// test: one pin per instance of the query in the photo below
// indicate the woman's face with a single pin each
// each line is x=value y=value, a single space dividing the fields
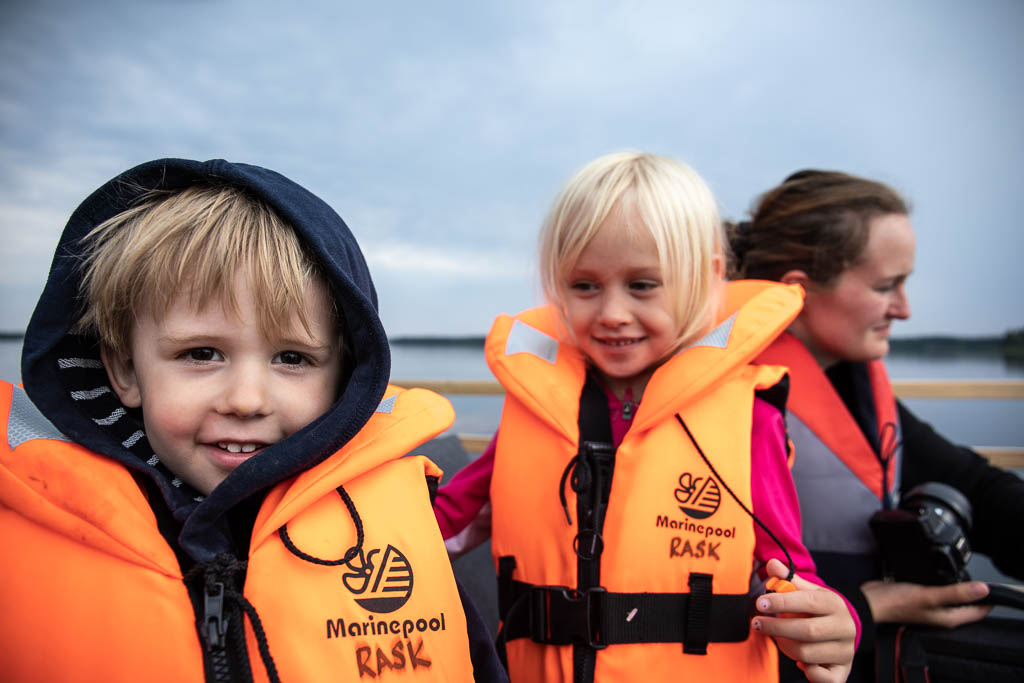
x=850 y=319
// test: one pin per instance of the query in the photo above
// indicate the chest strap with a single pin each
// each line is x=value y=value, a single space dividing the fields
x=558 y=615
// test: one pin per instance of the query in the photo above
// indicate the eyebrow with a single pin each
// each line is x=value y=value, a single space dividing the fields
x=208 y=340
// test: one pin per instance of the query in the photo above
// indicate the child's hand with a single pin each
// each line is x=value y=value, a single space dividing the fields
x=821 y=634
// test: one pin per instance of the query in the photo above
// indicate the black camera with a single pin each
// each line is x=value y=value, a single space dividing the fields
x=924 y=540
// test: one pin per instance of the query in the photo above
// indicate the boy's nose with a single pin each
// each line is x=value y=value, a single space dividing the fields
x=246 y=394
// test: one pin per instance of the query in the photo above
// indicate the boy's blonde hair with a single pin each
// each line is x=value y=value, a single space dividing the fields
x=193 y=242
x=653 y=193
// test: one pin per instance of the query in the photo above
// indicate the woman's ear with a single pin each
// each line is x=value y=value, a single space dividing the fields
x=121 y=373
x=795 y=277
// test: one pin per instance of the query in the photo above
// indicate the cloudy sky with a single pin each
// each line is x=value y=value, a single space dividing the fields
x=441 y=131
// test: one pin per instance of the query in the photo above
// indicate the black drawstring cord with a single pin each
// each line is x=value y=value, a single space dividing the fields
x=889 y=443
x=580 y=481
x=789 y=559
x=218 y=584
x=350 y=554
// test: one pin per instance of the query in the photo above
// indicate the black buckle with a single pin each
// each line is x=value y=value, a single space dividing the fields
x=564 y=616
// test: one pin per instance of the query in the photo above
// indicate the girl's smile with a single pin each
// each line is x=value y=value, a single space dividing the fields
x=617 y=305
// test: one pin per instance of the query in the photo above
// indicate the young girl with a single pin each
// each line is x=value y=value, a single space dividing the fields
x=637 y=446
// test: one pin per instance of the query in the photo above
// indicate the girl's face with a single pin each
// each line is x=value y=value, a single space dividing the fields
x=850 y=320
x=618 y=308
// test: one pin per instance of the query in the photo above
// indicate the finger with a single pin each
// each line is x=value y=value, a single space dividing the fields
x=827 y=628
x=952 y=617
x=777 y=568
x=958 y=593
x=805 y=602
x=816 y=673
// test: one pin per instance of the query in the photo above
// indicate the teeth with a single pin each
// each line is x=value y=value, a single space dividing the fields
x=238 y=447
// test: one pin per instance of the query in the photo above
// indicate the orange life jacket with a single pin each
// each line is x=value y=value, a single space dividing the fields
x=838 y=475
x=673 y=545
x=93 y=592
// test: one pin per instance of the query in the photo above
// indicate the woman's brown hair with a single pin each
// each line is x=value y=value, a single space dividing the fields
x=815 y=221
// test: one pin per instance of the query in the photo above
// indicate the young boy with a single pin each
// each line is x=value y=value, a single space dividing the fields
x=202 y=476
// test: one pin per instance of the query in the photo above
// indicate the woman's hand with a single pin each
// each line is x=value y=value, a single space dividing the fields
x=912 y=603
x=819 y=635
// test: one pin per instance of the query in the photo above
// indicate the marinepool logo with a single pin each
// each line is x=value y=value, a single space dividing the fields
x=698 y=497
x=381 y=578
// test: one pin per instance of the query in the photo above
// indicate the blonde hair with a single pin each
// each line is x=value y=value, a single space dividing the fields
x=195 y=241
x=671 y=202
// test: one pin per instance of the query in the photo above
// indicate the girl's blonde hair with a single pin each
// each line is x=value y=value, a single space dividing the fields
x=668 y=200
x=193 y=242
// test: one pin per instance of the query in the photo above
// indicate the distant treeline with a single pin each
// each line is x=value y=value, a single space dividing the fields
x=1010 y=345
x=438 y=341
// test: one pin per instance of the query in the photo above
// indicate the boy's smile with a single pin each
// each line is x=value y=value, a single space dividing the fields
x=215 y=391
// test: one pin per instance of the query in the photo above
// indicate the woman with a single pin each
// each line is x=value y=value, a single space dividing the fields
x=849 y=242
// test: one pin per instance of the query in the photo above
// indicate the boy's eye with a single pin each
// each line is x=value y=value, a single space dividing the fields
x=290 y=358
x=202 y=353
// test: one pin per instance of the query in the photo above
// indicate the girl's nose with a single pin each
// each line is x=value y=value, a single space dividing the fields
x=614 y=310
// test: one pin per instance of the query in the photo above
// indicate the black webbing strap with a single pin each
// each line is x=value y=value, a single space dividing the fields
x=595 y=464
x=594 y=421
x=557 y=615
x=695 y=639
x=506 y=584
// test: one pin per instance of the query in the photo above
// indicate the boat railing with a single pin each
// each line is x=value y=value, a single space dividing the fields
x=1010 y=456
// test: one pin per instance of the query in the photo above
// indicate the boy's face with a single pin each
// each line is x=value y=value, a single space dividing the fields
x=214 y=391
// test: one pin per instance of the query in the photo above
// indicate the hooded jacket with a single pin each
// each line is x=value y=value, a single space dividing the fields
x=112 y=543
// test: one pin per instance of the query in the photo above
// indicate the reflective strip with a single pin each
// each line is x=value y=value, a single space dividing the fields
x=525 y=339
x=153 y=461
x=133 y=439
x=89 y=394
x=25 y=422
x=718 y=337
x=66 y=363
x=110 y=419
x=387 y=405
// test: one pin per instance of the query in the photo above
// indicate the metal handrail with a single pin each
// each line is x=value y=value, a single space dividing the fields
x=1000 y=389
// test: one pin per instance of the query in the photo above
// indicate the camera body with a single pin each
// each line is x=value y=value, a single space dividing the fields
x=924 y=540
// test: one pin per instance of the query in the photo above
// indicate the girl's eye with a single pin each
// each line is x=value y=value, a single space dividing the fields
x=583 y=286
x=290 y=358
x=202 y=354
x=643 y=285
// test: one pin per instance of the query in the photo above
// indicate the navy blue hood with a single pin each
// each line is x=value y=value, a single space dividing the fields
x=63 y=378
